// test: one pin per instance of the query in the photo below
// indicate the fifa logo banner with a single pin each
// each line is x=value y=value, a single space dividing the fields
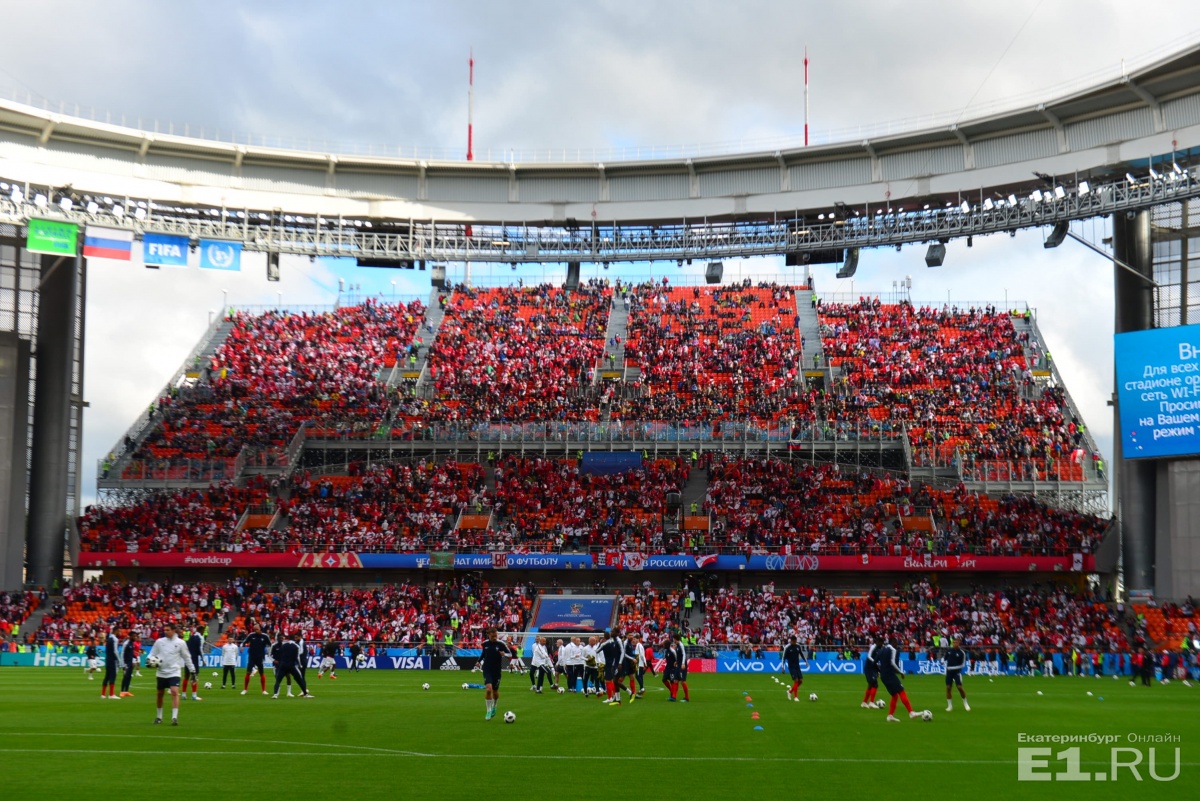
x=162 y=250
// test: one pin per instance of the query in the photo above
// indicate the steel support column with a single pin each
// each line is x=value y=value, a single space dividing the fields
x=1133 y=311
x=55 y=351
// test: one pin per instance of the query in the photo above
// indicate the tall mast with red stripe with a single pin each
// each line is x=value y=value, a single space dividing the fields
x=471 y=105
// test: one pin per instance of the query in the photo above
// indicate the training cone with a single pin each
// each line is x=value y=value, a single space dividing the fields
x=754 y=716
x=751 y=706
x=758 y=728
x=748 y=698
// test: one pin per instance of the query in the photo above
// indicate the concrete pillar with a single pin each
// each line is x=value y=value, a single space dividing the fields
x=46 y=539
x=1136 y=480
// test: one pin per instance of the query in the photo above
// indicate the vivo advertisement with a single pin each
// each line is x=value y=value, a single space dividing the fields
x=1158 y=389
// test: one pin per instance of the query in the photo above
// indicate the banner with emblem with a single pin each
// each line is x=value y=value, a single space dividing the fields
x=220 y=254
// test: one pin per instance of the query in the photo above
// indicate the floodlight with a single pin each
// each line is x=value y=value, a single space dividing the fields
x=118 y=211
x=1175 y=168
x=1012 y=200
x=988 y=205
x=935 y=255
x=1084 y=188
x=965 y=208
x=1036 y=197
x=39 y=200
x=1057 y=234
x=1130 y=178
x=93 y=207
x=1059 y=192
x=1154 y=174
x=140 y=213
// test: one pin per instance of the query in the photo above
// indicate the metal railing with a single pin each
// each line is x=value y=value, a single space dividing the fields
x=179 y=471
x=658 y=431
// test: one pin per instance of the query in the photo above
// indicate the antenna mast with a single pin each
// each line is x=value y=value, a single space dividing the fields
x=470 y=105
x=805 y=96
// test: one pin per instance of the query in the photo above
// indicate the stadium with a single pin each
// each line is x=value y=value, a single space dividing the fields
x=616 y=430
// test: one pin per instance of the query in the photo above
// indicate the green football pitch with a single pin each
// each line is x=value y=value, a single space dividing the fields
x=379 y=735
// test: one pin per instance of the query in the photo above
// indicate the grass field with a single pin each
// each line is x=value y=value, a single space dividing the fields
x=379 y=735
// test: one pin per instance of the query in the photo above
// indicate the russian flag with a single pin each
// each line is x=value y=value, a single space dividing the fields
x=107 y=243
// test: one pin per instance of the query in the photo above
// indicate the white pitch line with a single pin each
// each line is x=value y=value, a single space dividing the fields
x=385 y=751
x=571 y=757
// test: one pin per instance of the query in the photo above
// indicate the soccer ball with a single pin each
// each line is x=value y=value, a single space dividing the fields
x=926 y=716
x=881 y=704
x=812 y=696
x=215 y=674
x=208 y=685
x=562 y=690
x=425 y=686
x=155 y=661
x=510 y=717
x=465 y=686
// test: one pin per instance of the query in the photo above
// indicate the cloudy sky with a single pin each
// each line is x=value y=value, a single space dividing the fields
x=575 y=76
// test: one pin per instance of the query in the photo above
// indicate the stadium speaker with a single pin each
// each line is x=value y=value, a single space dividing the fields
x=437 y=276
x=393 y=264
x=674 y=502
x=572 y=275
x=850 y=266
x=935 y=255
x=799 y=258
x=272 y=266
x=713 y=272
x=1057 y=234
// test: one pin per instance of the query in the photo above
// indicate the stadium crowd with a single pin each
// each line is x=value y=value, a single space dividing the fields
x=401 y=614
x=922 y=615
x=960 y=379
x=714 y=354
x=751 y=506
x=276 y=371
x=87 y=612
x=516 y=355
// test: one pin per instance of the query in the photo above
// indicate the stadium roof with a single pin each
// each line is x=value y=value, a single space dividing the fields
x=1151 y=113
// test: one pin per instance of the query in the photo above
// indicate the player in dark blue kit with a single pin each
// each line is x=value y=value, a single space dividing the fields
x=888 y=658
x=613 y=650
x=287 y=665
x=195 y=645
x=129 y=660
x=871 y=673
x=791 y=660
x=112 y=649
x=671 y=671
x=956 y=664
x=256 y=644
x=490 y=661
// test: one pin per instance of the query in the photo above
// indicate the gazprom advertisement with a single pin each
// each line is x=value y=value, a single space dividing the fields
x=1158 y=388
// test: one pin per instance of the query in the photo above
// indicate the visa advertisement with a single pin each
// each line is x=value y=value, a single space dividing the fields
x=1158 y=389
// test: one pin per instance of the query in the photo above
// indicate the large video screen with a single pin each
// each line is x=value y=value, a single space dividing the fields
x=1158 y=389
